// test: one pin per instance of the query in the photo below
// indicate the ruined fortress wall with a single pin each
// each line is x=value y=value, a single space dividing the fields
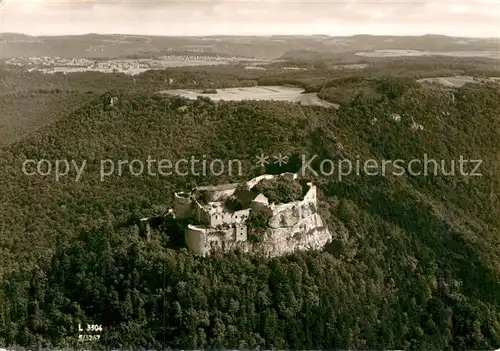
x=251 y=183
x=213 y=243
x=220 y=195
x=216 y=219
x=293 y=226
x=219 y=239
x=204 y=217
x=197 y=212
x=203 y=241
x=226 y=239
x=289 y=176
x=241 y=232
x=286 y=215
x=311 y=195
x=276 y=209
x=201 y=214
x=182 y=205
x=229 y=218
x=196 y=239
x=309 y=199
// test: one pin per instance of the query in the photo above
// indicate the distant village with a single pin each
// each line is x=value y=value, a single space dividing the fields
x=128 y=66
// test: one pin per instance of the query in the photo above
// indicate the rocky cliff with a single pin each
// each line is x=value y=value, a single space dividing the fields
x=293 y=229
x=309 y=233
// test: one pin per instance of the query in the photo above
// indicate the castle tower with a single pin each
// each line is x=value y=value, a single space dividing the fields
x=196 y=239
x=182 y=205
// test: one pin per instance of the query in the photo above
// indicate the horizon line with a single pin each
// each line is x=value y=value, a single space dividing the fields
x=251 y=35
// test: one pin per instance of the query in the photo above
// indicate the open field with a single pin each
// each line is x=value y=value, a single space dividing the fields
x=270 y=93
x=457 y=81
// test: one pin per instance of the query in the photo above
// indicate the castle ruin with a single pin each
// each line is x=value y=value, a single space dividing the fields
x=216 y=227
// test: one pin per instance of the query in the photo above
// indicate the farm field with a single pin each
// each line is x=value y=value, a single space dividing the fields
x=457 y=81
x=270 y=93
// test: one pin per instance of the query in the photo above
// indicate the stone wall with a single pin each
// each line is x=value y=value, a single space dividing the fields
x=218 y=192
x=309 y=233
x=201 y=214
x=253 y=182
x=286 y=215
x=292 y=215
x=203 y=240
x=228 y=217
x=196 y=239
x=182 y=205
x=221 y=195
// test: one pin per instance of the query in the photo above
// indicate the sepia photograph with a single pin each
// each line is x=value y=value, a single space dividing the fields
x=249 y=175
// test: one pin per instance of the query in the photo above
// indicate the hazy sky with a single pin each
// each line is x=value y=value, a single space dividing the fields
x=471 y=18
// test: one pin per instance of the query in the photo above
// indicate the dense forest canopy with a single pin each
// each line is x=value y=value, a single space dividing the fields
x=414 y=263
x=279 y=190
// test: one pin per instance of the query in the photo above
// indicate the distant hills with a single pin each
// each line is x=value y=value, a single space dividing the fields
x=268 y=47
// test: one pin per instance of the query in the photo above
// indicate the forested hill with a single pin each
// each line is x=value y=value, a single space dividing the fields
x=415 y=262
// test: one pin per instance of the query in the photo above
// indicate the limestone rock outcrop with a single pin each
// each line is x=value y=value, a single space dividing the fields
x=289 y=217
x=309 y=233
